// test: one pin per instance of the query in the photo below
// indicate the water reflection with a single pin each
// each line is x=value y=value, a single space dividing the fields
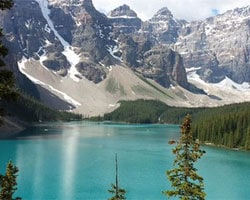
x=69 y=160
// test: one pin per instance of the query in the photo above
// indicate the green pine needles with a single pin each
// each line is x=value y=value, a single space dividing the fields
x=118 y=193
x=8 y=183
x=186 y=183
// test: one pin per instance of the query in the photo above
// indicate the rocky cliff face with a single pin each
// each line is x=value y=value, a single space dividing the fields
x=220 y=45
x=139 y=49
x=164 y=66
x=124 y=20
x=163 y=28
x=47 y=30
x=90 y=35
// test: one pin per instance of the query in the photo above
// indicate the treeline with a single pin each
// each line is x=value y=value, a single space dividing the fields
x=227 y=126
x=148 y=111
x=139 y=111
x=28 y=109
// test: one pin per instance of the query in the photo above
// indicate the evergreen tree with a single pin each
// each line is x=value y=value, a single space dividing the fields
x=7 y=92
x=8 y=183
x=186 y=183
x=117 y=192
x=7 y=82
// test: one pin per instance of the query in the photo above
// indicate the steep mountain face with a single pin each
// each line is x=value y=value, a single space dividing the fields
x=61 y=34
x=163 y=28
x=165 y=67
x=124 y=20
x=219 y=46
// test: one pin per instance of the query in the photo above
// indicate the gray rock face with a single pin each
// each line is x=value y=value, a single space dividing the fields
x=123 y=11
x=220 y=45
x=165 y=67
x=29 y=34
x=124 y=20
x=87 y=30
x=26 y=35
x=163 y=28
x=91 y=71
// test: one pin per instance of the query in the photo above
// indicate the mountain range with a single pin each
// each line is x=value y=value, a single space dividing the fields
x=72 y=57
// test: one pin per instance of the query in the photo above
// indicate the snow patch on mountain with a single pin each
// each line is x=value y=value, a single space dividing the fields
x=71 y=56
x=121 y=17
x=226 y=89
x=227 y=83
x=112 y=50
x=21 y=66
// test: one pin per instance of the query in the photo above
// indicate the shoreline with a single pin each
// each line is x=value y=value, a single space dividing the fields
x=11 y=127
x=224 y=147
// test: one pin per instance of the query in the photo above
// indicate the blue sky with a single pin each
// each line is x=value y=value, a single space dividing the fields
x=181 y=9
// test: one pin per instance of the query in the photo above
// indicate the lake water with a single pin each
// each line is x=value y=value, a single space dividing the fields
x=75 y=161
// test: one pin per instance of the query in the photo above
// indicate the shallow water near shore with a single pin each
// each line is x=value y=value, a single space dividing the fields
x=71 y=161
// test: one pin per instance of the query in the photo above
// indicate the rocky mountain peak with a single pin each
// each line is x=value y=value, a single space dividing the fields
x=124 y=20
x=123 y=11
x=162 y=28
x=163 y=14
x=240 y=12
x=221 y=46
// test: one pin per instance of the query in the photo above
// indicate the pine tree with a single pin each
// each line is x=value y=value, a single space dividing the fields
x=8 y=183
x=7 y=82
x=186 y=183
x=117 y=192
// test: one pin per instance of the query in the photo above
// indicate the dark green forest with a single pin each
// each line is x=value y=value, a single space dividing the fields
x=28 y=109
x=227 y=125
x=148 y=111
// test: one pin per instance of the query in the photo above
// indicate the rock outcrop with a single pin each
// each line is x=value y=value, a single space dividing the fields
x=163 y=28
x=124 y=20
x=220 y=45
x=165 y=67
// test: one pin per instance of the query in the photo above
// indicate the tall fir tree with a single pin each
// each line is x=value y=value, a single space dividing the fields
x=117 y=192
x=186 y=183
x=7 y=81
x=8 y=183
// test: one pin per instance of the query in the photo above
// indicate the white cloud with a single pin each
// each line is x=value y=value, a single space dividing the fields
x=181 y=9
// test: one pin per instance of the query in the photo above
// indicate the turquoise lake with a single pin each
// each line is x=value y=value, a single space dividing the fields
x=75 y=161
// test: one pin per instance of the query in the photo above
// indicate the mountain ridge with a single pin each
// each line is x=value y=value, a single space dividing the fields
x=90 y=64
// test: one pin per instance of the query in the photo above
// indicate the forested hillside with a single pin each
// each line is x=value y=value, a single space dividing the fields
x=226 y=125
x=29 y=109
x=148 y=111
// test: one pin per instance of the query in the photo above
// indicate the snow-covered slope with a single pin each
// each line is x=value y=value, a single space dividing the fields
x=226 y=91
